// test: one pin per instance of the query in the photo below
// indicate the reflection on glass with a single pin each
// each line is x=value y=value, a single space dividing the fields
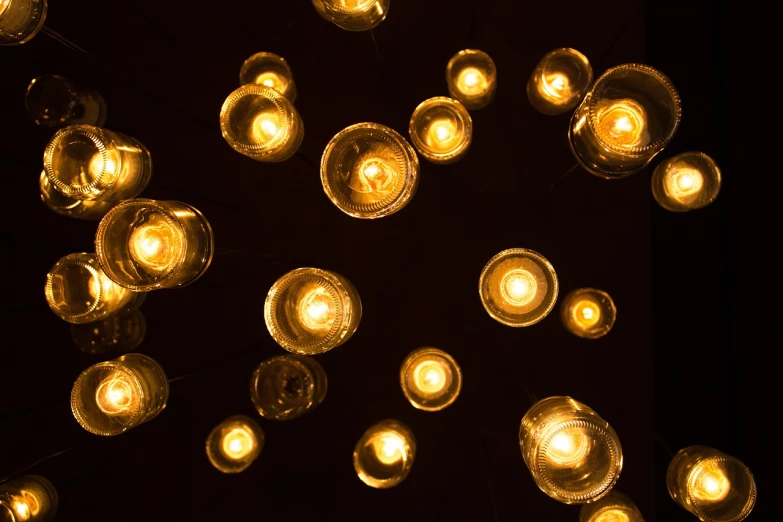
x=711 y=485
x=310 y=311
x=688 y=181
x=441 y=130
x=144 y=245
x=472 y=78
x=54 y=101
x=369 y=171
x=234 y=444
x=614 y=507
x=430 y=379
x=573 y=454
x=112 y=397
x=384 y=455
x=353 y=15
x=20 y=20
x=285 y=387
x=588 y=312
x=560 y=81
x=30 y=498
x=71 y=207
x=269 y=70
x=122 y=332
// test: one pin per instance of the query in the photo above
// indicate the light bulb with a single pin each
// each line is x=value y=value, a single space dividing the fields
x=30 y=498
x=71 y=207
x=430 y=379
x=121 y=332
x=588 y=312
x=234 y=444
x=441 y=130
x=384 y=455
x=630 y=115
x=711 y=485
x=614 y=507
x=285 y=387
x=573 y=454
x=112 y=397
x=354 y=15
x=144 y=244
x=261 y=123
x=560 y=81
x=54 y=101
x=472 y=78
x=518 y=287
x=269 y=70
x=78 y=291
x=688 y=181
x=369 y=171
x=86 y=162
x=310 y=311
x=20 y=20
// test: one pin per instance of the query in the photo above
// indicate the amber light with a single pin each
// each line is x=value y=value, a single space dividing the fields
x=441 y=130
x=20 y=20
x=384 y=455
x=234 y=444
x=71 y=207
x=614 y=507
x=353 y=15
x=472 y=78
x=588 y=312
x=287 y=386
x=30 y=498
x=560 y=81
x=688 y=181
x=269 y=70
x=430 y=379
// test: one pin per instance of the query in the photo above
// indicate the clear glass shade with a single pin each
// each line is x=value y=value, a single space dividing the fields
x=614 y=507
x=688 y=181
x=441 y=130
x=384 y=455
x=71 y=207
x=30 y=498
x=269 y=70
x=588 y=312
x=20 y=20
x=560 y=81
x=430 y=379
x=353 y=15
x=54 y=101
x=472 y=78
x=234 y=444
x=285 y=387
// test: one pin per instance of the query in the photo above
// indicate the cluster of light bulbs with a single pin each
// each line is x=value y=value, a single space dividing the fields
x=368 y=171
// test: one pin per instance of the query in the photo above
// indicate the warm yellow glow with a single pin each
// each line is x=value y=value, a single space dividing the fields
x=374 y=176
x=22 y=510
x=518 y=287
x=429 y=376
x=264 y=128
x=389 y=447
x=98 y=167
x=555 y=88
x=684 y=183
x=472 y=81
x=586 y=313
x=441 y=135
x=623 y=123
x=710 y=483
x=612 y=515
x=115 y=395
x=271 y=79
x=238 y=443
x=316 y=310
x=156 y=245
x=31 y=502
x=569 y=448
x=356 y=5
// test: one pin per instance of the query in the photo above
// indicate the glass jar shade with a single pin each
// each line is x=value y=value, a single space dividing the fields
x=285 y=387
x=235 y=444
x=78 y=291
x=384 y=455
x=430 y=379
x=560 y=81
x=71 y=207
x=20 y=20
x=54 y=101
x=711 y=485
x=588 y=312
x=354 y=15
x=688 y=181
x=629 y=116
x=573 y=454
x=369 y=171
x=112 y=397
x=86 y=162
x=614 y=507
x=441 y=130
x=269 y=70
x=310 y=311
x=121 y=332
x=261 y=123
x=144 y=245
x=472 y=78
x=518 y=287
x=30 y=498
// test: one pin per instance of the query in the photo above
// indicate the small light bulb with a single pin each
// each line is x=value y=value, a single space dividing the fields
x=688 y=181
x=384 y=454
x=441 y=130
x=354 y=15
x=614 y=507
x=472 y=78
x=30 y=498
x=588 y=312
x=430 y=379
x=234 y=444
x=269 y=70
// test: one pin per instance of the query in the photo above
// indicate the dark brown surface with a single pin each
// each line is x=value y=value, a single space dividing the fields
x=165 y=68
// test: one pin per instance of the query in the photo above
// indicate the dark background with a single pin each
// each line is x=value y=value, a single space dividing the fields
x=680 y=366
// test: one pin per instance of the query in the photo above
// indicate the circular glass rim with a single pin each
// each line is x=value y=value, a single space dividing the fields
x=412 y=358
x=290 y=359
x=278 y=100
x=570 y=52
x=95 y=136
x=137 y=412
x=697 y=505
x=570 y=299
x=459 y=111
x=75 y=259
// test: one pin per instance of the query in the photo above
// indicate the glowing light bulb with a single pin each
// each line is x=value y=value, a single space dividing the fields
x=688 y=181
x=569 y=448
x=472 y=82
x=614 y=507
x=265 y=127
x=30 y=498
x=560 y=81
x=354 y=15
x=157 y=245
x=234 y=444
x=287 y=386
x=384 y=454
x=115 y=395
x=238 y=443
x=623 y=123
x=22 y=509
x=518 y=287
x=317 y=309
x=441 y=130
x=710 y=483
x=430 y=379
x=472 y=78
x=389 y=448
x=20 y=20
x=588 y=312
x=269 y=70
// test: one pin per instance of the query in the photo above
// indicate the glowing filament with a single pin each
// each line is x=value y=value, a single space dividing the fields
x=518 y=287
x=586 y=313
x=115 y=395
x=238 y=443
x=264 y=128
x=429 y=377
x=389 y=448
x=555 y=87
x=374 y=176
x=613 y=515
x=623 y=124
x=568 y=448
x=271 y=79
x=442 y=135
x=710 y=483
x=101 y=168
x=684 y=183
x=472 y=81
x=156 y=245
x=316 y=310
x=356 y=5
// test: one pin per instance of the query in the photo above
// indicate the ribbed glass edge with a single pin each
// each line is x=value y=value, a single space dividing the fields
x=281 y=104
x=411 y=358
x=137 y=416
x=96 y=136
x=462 y=114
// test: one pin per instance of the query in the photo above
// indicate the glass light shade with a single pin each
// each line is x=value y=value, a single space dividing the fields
x=261 y=123
x=86 y=162
x=269 y=70
x=430 y=379
x=54 y=101
x=384 y=455
x=310 y=311
x=614 y=507
x=234 y=444
x=285 y=387
x=441 y=130
x=518 y=287
x=78 y=291
x=122 y=332
x=629 y=116
x=560 y=81
x=572 y=453
x=354 y=15
x=30 y=498
x=20 y=20
x=472 y=78
x=369 y=171
x=711 y=485
x=144 y=245
x=588 y=312
x=685 y=182
x=112 y=397
x=72 y=207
